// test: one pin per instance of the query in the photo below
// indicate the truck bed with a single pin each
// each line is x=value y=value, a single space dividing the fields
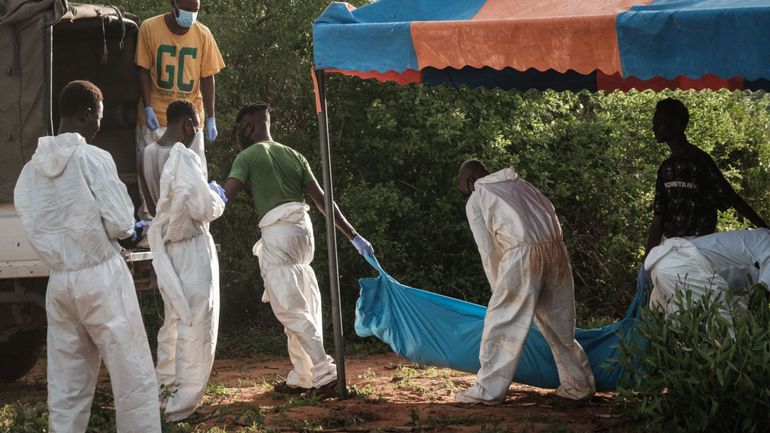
x=17 y=257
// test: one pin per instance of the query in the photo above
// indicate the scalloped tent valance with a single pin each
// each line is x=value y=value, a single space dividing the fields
x=556 y=44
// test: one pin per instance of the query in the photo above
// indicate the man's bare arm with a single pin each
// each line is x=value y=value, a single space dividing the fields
x=655 y=234
x=144 y=84
x=148 y=201
x=748 y=212
x=314 y=191
x=232 y=186
x=208 y=89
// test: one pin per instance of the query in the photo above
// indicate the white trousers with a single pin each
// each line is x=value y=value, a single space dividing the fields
x=145 y=137
x=285 y=252
x=93 y=314
x=534 y=282
x=186 y=353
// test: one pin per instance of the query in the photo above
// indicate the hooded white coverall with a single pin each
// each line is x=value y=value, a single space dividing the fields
x=285 y=252
x=186 y=264
x=520 y=242
x=711 y=263
x=145 y=137
x=74 y=208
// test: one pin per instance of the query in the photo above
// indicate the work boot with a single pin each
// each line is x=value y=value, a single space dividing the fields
x=325 y=391
x=284 y=388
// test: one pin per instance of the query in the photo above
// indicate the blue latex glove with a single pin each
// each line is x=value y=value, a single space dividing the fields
x=644 y=279
x=138 y=229
x=151 y=119
x=219 y=190
x=211 y=129
x=129 y=243
x=363 y=246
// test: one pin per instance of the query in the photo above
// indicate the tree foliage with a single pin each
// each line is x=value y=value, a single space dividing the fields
x=396 y=151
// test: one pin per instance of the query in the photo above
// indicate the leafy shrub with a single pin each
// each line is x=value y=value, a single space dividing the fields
x=396 y=150
x=697 y=371
x=23 y=417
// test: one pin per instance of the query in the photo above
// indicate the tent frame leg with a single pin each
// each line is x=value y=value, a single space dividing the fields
x=331 y=234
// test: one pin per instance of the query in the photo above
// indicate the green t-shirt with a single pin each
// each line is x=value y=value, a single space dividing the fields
x=275 y=173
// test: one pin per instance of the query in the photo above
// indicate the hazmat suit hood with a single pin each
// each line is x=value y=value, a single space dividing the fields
x=515 y=212
x=500 y=176
x=54 y=152
x=72 y=203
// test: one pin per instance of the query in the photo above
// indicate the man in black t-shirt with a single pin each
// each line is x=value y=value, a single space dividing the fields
x=689 y=190
x=690 y=187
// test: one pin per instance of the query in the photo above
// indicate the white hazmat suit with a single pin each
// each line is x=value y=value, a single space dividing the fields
x=185 y=261
x=74 y=208
x=520 y=242
x=145 y=137
x=708 y=264
x=285 y=252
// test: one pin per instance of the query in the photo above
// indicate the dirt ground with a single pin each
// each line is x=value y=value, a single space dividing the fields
x=387 y=394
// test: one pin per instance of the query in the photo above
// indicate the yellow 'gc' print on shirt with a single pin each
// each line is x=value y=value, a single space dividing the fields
x=176 y=64
x=170 y=67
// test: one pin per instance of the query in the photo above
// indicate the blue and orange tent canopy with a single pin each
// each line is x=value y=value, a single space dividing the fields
x=550 y=44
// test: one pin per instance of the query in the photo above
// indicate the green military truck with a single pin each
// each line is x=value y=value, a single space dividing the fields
x=44 y=44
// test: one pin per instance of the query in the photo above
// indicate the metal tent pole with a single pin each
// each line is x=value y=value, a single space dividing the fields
x=331 y=233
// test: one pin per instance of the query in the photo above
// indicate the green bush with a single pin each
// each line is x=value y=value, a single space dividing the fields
x=22 y=417
x=396 y=150
x=397 y=153
x=696 y=371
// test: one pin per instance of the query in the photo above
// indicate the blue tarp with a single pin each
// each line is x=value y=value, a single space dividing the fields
x=432 y=329
x=669 y=38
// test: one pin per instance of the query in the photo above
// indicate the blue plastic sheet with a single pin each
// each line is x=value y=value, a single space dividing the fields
x=432 y=329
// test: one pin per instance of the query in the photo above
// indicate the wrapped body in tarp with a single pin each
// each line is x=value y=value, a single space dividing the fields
x=432 y=329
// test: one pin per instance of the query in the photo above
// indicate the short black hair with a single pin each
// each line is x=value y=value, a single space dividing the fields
x=257 y=107
x=77 y=96
x=179 y=110
x=674 y=108
x=470 y=168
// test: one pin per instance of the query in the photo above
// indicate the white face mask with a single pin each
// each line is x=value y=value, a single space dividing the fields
x=185 y=18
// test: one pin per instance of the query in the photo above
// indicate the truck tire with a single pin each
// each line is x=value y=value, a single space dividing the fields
x=19 y=354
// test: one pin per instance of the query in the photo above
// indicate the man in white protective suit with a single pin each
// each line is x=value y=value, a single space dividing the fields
x=279 y=177
x=74 y=209
x=520 y=242
x=713 y=264
x=185 y=260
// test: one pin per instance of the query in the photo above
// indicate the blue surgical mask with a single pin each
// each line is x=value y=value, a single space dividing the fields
x=186 y=18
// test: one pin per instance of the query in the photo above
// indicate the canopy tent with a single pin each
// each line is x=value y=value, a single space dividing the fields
x=541 y=44
x=555 y=44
